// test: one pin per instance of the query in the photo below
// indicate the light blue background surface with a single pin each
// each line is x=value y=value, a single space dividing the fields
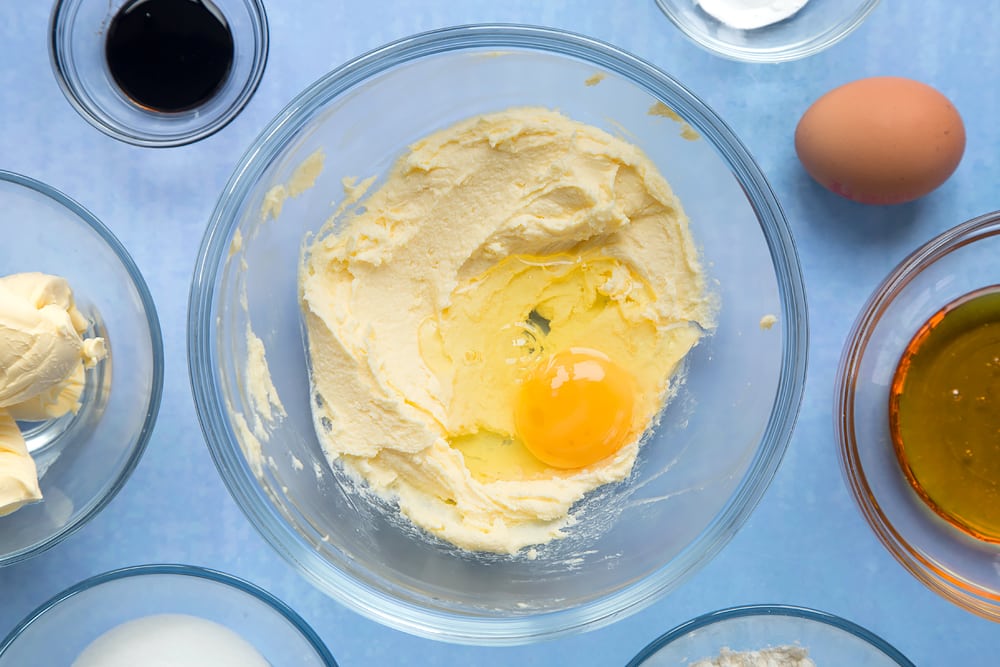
x=806 y=543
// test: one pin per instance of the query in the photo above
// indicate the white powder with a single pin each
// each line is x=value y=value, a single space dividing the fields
x=170 y=640
x=781 y=656
x=751 y=14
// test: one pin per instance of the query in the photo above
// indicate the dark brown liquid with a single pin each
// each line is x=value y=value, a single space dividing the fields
x=169 y=55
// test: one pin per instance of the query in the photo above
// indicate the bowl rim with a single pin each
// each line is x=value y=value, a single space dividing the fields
x=181 y=570
x=948 y=586
x=134 y=134
x=156 y=342
x=376 y=604
x=791 y=611
x=812 y=46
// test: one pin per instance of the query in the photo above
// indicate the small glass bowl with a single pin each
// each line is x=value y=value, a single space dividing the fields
x=82 y=459
x=59 y=630
x=951 y=563
x=829 y=639
x=817 y=26
x=76 y=46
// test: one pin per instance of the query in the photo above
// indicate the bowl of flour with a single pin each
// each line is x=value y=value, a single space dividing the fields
x=769 y=636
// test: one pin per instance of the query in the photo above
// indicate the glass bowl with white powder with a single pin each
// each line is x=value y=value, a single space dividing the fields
x=766 y=30
x=698 y=472
x=769 y=636
x=164 y=615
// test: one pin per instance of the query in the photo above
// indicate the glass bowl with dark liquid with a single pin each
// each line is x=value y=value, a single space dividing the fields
x=917 y=414
x=158 y=72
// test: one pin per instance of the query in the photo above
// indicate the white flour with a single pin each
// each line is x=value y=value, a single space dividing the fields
x=751 y=14
x=781 y=656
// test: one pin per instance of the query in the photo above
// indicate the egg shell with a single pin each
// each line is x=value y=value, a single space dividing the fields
x=881 y=140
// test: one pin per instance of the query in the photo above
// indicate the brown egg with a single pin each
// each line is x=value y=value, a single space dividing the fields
x=883 y=140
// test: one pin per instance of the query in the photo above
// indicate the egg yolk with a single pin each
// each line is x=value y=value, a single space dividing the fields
x=575 y=408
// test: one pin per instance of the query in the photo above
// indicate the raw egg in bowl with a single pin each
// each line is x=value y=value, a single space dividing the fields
x=373 y=390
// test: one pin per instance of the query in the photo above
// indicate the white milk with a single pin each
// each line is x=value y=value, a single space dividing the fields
x=170 y=640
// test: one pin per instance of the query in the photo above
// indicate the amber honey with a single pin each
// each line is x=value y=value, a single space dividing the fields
x=944 y=412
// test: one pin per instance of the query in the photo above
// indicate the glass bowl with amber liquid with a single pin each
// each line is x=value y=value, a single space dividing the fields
x=917 y=414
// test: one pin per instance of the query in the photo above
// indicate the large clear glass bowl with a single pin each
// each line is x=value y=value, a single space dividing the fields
x=700 y=474
x=59 y=630
x=84 y=458
x=953 y=564
x=829 y=639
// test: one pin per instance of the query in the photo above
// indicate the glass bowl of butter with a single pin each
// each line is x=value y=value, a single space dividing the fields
x=497 y=333
x=164 y=615
x=767 y=31
x=81 y=367
x=773 y=635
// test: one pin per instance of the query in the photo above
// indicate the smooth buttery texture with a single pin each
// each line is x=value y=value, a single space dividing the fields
x=170 y=640
x=944 y=411
x=491 y=245
x=780 y=656
x=43 y=356
x=881 y=140
x=751 y=14
x=18 y=473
